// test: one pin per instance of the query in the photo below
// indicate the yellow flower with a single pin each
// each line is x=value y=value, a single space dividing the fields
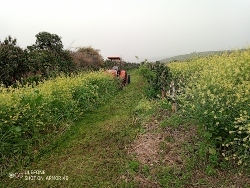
x=239 y=162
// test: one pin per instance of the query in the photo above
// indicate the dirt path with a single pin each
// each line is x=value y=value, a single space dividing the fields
x=158 y=147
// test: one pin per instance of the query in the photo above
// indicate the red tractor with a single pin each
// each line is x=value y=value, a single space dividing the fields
x=117 y=72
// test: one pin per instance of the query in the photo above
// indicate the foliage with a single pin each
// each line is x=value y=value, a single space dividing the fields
x=158 y=77
x=31 y=115
x=44 y=59
x=88 y=58
x=143 y=107
x=12 y=61
x=215 y=91
x=93 y=152
x=47 y=41
x=48 y=57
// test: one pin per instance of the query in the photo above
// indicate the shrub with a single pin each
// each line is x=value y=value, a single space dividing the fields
x=158 y=76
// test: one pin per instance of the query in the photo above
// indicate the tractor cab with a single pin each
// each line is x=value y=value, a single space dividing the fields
x=117 y=71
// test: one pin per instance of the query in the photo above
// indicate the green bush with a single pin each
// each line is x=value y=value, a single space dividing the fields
x=158 y=76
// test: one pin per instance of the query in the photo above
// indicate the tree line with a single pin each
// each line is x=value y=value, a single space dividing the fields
x=47 y=58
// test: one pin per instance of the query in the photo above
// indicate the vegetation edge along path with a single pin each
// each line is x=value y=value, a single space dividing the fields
x=93 y=153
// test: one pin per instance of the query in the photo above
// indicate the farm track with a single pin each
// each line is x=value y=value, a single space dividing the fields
x=93 y=153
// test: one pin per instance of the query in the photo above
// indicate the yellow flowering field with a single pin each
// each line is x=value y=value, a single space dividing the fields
x=31 y=116
x=215 y=91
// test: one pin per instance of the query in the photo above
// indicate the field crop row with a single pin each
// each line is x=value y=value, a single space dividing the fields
x=32 y=116
x=215 y=91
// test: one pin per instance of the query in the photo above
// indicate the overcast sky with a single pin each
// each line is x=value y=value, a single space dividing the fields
x=129 y=28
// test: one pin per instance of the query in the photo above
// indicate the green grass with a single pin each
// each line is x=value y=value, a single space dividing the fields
x=92 y=153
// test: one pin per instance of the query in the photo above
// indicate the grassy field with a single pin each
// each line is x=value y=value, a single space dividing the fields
x=132 y=141
x=92 y=153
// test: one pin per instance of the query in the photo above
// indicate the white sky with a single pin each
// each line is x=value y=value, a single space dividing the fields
x=145 y=28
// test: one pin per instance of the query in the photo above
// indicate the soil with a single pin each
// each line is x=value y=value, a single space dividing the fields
x=159 y=146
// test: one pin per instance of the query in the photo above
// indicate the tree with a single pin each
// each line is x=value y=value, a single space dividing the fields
x=47 y=41
x=13 y=62
x=88 y=58
x=47 y=55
